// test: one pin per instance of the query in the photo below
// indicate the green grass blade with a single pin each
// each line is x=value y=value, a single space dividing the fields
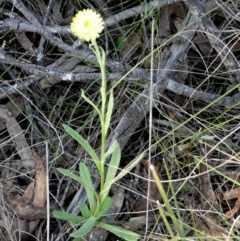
x=167 y=203
x=120 y=232
x=128 y=168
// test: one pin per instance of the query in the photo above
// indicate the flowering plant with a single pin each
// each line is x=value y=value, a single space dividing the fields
x=87 y=25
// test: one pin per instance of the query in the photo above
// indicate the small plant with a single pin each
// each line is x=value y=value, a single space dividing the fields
x=87 y=25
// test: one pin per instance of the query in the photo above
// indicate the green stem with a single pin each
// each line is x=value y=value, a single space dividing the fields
x=101 y=57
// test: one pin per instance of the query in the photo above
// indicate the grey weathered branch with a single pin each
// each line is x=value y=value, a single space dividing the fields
x=161 y=83
x=45 y=20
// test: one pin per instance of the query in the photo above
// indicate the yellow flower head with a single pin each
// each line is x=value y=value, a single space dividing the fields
x=87 y=25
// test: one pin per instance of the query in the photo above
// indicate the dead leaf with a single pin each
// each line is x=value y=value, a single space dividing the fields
x=22 y=210
x=40 y=191
x=203 y=45
x=170 y=14
x=131 y=46
x=67 y=65
x=25 y=43
x=28 y=199
x=235 y=209
x=211 y=227
x=137 y=222
x=30 y=208
x=208 y=196
x=233 y=193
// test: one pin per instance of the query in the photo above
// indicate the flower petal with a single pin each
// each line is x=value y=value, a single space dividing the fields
x=87 y=25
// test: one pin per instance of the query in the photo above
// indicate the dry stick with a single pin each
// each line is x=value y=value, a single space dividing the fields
x=28 y=15
x=50 y=72
x=150 y=130
x=23 y=26
x=165 y=83
x=59 y=43
x=134 y=11
x=45 y=20
x=86 y=54
x=109 y=22
x=214 y=36
x=228 y=10
x=14 y=24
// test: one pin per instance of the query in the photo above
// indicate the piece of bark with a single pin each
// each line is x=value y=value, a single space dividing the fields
x=16 y=133
x=40 y=191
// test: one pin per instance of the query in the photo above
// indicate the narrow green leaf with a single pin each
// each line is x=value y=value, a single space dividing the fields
x=108 y=202
x=75 y=239
x=78 y=179
x=73 y=219
x=86 y=176
x=112 y=170
x=120 y=232
x=128 y=168
x=83 y=143
x=111 y=149
x=85 y=228
x=83 y=207
x=109 y=111
x=91 y=103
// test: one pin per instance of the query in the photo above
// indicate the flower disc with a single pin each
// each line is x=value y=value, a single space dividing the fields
x=87 y=25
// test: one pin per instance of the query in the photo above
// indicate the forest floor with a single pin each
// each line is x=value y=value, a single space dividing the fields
x=173 y=70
